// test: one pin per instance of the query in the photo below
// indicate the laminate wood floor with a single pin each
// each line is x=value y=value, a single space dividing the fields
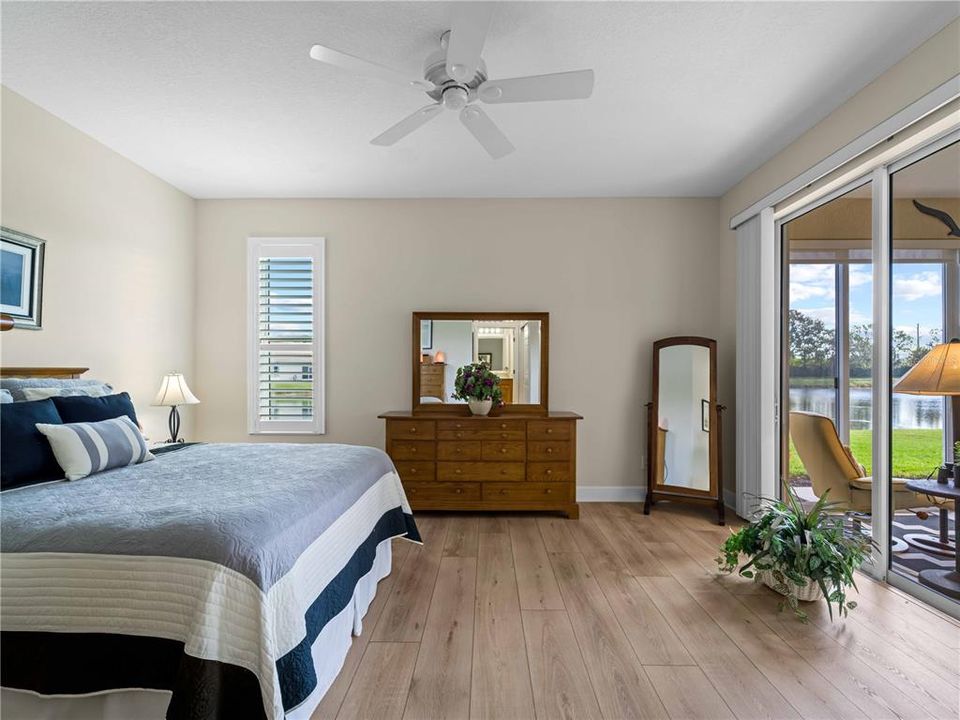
x=621 y=615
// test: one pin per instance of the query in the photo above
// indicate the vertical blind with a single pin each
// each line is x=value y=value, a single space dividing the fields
x=285 y=339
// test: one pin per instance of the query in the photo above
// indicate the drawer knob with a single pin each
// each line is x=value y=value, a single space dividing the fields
x=413 y=471
x=503 y=426
x=503 y=491
x=549 y=471
x=459 y=425
x=549 y=451
x=413 y=429
x=459 y=434
x=459 y=491
x=503 y=471
x=413 y=491
x=548 y=491
x=503 y=435
x=503 y=450
x=549 y=430
x=413 y=450
x=458 y=471
x=459 y=451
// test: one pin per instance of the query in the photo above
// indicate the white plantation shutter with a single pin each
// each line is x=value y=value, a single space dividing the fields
x=285 y=289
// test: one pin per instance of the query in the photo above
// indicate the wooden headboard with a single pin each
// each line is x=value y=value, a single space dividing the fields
x=42 y=372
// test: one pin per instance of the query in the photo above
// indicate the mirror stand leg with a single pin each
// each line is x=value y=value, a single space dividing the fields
x=647 y=503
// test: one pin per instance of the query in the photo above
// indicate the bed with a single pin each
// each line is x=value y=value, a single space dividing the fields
x=217 y=581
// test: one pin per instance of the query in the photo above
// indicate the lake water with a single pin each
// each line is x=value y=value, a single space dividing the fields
x=908 y=411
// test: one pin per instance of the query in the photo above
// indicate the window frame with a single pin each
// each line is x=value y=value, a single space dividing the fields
x=314 y=248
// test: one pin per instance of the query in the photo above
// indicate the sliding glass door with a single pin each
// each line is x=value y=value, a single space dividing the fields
x=828 y=351
x=924 y=313
x=870 y=292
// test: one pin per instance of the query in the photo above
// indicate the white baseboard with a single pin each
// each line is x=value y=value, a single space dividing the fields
x=611 y=493
x=633 y=493
x=730 y=500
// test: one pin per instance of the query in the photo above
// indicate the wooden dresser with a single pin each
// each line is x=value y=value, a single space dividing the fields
x=512 y=462
x=432 y=380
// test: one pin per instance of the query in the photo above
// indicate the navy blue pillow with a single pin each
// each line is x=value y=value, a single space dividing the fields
x=25 y=454
x=80 y=408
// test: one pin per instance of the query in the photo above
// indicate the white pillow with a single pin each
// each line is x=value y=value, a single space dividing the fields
x=83 y=449
x=48 y=392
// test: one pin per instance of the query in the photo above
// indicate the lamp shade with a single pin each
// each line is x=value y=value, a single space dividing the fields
x=937 y=373
x=174 y=391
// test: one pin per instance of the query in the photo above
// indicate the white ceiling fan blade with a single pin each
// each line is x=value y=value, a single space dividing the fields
x=406 y=126
x=364 y=67
x=468 y=30
x=486 y=132
x=573 y=85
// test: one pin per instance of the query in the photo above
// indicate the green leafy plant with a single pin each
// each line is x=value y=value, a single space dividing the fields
x=790 y=547
x=477 y=382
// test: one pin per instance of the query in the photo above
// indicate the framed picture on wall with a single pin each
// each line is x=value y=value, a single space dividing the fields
x=486 y=358
x=21 y=278
x=426 y=334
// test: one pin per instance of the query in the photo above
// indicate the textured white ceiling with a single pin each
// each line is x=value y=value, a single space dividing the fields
x=222 y=100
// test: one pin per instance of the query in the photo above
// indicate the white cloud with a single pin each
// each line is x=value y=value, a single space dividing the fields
x=916 y=286
x=824 y=314
x=811 y=281
x=860 y=275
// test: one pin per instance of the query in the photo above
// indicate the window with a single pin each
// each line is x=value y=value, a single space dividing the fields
x=285 y=335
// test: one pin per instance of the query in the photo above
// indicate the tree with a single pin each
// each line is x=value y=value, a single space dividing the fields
x=861 y=350
x=811 y=345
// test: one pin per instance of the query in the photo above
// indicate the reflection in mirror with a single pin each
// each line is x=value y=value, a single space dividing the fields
x=511 y=348
x=683 y=424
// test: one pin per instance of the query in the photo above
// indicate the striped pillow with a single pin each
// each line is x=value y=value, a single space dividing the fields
x=83 y=449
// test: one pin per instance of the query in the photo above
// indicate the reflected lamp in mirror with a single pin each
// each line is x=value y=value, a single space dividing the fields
x=440 y=357
x=174 y=392
x=938 y=373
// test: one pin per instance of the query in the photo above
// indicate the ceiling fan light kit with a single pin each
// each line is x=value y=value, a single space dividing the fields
x=455 y=78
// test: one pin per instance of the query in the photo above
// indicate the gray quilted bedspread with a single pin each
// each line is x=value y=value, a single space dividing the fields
x=250 y=507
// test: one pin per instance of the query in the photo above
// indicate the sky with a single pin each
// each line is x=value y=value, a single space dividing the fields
x=917 y=295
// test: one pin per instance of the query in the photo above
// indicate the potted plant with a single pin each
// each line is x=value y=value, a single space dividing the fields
x=477 y=385
x=802 y=554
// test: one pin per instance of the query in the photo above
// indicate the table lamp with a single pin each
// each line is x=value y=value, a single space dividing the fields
x=937 y=373
x=173 y=392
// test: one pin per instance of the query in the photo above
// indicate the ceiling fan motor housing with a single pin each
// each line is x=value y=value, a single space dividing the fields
x=435 y=71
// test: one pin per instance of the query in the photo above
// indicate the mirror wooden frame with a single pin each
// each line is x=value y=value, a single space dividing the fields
x=660 y=491
x=461 y=408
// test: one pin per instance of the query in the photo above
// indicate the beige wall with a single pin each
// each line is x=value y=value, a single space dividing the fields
x=118 y=279
x=615 y=274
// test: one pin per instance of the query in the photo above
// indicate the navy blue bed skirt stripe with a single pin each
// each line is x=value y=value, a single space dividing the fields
x=297 y=675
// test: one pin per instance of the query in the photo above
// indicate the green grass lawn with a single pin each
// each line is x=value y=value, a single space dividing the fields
x=820 y=382
x=915 y=452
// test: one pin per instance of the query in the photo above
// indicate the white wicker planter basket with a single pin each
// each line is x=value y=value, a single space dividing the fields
x=810 y=593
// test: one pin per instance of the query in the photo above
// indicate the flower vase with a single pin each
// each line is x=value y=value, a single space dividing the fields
x=480 y=407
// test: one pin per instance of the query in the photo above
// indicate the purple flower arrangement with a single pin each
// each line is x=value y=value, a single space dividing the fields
x=477 y=382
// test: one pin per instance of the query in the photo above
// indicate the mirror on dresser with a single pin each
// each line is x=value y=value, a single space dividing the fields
x=683 y=424
x=513 y=345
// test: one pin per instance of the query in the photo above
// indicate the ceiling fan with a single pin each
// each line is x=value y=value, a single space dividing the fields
x=455 y=78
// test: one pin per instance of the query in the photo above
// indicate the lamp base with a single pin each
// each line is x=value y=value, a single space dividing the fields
x=173 y=423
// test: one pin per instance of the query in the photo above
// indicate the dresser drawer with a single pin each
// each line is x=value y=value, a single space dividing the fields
x=525 y=492
x=416 y=470
x=458 y=450
x=549 y=430
x=548 y=450
x=486 y=429
x=420 y=492
x=414 y=429
x=412 y=449
x=512 y=451
x=506 y=471
x=548 y=472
